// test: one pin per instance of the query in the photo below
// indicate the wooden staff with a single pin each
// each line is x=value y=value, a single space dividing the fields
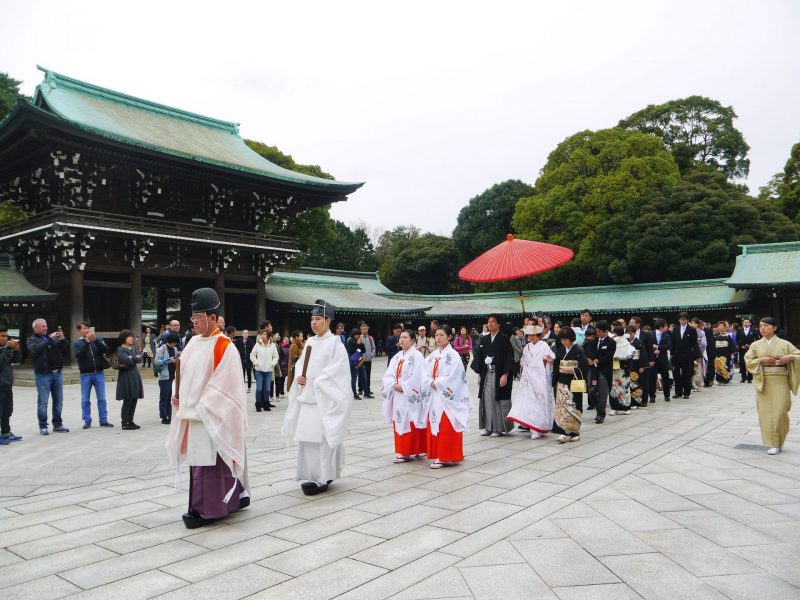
x=306 y=361
x=177 y=378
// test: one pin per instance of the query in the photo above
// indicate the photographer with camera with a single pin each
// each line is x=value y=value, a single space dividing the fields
x=48 y=360
x=9 y=353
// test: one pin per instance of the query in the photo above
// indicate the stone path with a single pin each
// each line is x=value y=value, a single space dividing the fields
x=658 y=504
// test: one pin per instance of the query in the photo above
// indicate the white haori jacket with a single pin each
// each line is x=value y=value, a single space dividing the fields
x=321 y=408
x=212 y=417
x=624 y=351
x=451 y=394
x=407 y=406
x=534 y=403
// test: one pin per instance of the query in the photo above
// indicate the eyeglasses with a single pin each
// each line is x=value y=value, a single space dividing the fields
x=196 y=317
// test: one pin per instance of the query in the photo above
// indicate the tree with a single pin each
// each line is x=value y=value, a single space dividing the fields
x=784 y=188
x=351 y=250
x=275 y=156
x=691 y=230
x=589 y=178
x=394 y=240
x=697 y=130
x=422 y=264
x=486 y=219
x=9 y=94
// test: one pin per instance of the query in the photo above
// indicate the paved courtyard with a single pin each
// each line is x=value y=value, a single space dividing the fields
x=657 y=504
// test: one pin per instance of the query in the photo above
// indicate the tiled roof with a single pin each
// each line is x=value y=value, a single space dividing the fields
x=767 y=265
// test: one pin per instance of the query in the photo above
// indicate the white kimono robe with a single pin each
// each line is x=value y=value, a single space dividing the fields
x=211 y=418
x=407 y=406
x=451 y=395
x=534 y=404
x=319 y=412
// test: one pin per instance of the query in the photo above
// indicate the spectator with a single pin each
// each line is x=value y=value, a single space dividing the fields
x=91 y=352
x=369 y=353
x=9 y=353
x=129 y=381
x=245 y=347
x=148 y=347
x=295 y=350
x=355 y=353
x=165 y=360
x=264 y=357
x=393 y=341
x=48 y=360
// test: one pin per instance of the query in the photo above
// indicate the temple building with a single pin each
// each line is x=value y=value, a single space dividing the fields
x=126 y=198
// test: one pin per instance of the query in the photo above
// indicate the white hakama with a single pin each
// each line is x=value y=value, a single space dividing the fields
x=534 y=404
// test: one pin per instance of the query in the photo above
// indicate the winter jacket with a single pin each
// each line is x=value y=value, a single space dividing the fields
x=264 y=356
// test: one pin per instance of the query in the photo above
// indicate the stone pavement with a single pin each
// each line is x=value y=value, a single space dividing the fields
x=657 y=504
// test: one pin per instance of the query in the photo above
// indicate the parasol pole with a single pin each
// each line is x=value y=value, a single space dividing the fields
x=521 y=299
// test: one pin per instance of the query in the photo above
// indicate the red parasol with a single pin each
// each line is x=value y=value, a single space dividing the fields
x=514 y=259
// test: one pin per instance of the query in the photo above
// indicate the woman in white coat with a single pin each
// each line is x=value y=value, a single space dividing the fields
x=264 y=357
x=402 y=400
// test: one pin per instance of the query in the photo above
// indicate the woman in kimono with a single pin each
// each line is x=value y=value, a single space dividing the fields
x=620 y=396
x=774 y=364
x=700 y=367
x=444 y=387
x=636 y=372
x=402 y=400
x=723 y=354
x=570 y=363
x=534 y=404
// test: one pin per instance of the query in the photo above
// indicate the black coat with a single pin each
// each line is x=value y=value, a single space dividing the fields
x=743 y=340
x=245 y=348
x=47 y=353
x=604 y=354
x=645 y=353
x=685 y=349
x=129 y=381
x=90 y=355
x=502 y=354
x=664 y=347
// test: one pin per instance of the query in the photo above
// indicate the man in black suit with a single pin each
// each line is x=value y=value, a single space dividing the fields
x=710 y=354
x=392 y=341
x=660 y=344
x=494 y=363
x=685 y=351
x=744 y=338
x=245 y=346
x=604 y=367
x=645 y=359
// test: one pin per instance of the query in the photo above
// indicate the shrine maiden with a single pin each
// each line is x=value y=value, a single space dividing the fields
x=534 y=405
x=319 y=404
x=444 y=387
x=402 y=400
x=209 y=426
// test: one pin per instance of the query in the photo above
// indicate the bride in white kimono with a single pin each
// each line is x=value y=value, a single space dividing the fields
x=534 y=405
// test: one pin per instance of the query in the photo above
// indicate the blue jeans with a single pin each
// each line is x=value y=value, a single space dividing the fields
x=165 y=398
x=47 y=384
x=358 y=376
x=263 y=381
x=98 y=381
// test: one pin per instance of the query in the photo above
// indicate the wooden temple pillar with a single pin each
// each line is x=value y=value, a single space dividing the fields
x=261 y=301
x=219 y=287
x=135 y=301
x=77 y=312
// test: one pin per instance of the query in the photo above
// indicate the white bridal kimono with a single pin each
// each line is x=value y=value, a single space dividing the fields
x=318 y=412
x=407 y=406
x=534 y=404
x=451 y=395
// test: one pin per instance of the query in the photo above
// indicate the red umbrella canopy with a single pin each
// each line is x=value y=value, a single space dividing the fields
x=513 y=259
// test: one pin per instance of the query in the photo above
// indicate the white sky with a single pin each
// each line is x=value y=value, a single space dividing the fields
x=427 y=102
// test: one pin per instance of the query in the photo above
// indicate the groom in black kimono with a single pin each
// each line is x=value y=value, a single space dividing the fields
x=494 y=363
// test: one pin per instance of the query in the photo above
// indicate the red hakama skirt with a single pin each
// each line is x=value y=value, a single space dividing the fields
x=411 y=443
x=448 y=446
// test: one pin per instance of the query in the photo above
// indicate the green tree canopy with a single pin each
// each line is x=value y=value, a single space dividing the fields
x=689 y=231
x=784 y=187
x=421 y=265
x=486 y=219
x=698 y=131
x=351 y=250
x=588 y=179
x=272 y=154
x=9 y=93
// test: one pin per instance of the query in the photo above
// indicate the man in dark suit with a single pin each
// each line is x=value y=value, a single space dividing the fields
x=685 y=351
x=711 y=354
x=494 y=363
x=604 y=367
x=660 y=344
x=392 y=341
x=645 y=359
x=744 y=338
x=245 y=346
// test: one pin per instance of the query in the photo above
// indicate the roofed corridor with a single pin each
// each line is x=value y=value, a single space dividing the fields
x=657 y=504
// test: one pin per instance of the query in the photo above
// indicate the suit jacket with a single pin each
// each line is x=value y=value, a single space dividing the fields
x=245 y=348
x=743 y=341
x=641 y=347
x=502 y=354
x=663 y=347
x=604 y=353
x=685 y=348
x=710 y=350
x=645 y=352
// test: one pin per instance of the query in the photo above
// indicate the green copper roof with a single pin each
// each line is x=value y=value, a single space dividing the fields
x=767 y=265
x=349 y=291
x=640 y=297
x=164 y=129
x=14 y=288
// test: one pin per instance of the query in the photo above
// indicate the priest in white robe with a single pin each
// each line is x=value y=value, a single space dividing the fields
x=319 y=404
x=534 y=405
x=210 y=421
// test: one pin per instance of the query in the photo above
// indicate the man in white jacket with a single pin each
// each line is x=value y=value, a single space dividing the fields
x=319 y=404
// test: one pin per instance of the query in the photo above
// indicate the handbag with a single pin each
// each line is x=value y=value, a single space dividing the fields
x=104 y=360
x=116 y=363
x=577 y=386
x=356 y=359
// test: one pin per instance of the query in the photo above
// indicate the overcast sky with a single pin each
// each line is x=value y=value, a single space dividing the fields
x=429 y=103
